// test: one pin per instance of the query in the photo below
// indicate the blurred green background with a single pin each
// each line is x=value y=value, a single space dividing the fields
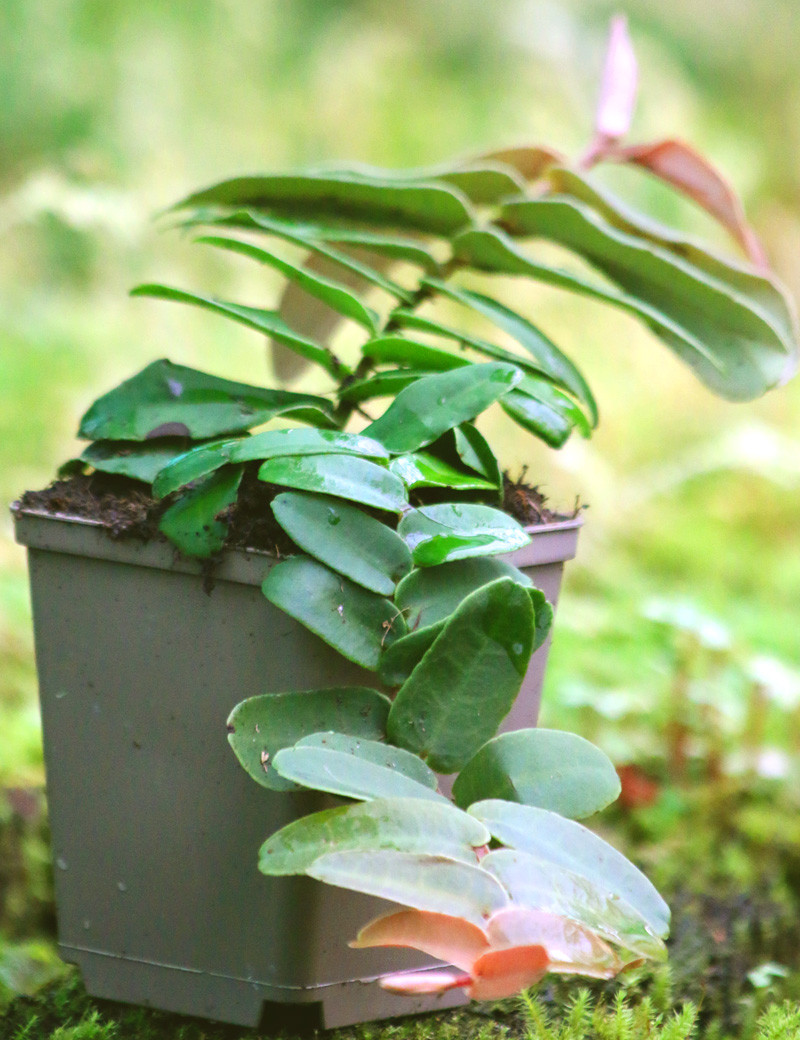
x=112 y=109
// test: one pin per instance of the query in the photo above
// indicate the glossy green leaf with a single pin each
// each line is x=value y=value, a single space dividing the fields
x=400 y=659
x=312 y=237
x=420 y=469
x=543 y=615
x=354 y=621
x=466 y=683
x=743 y=354
x=397 y=824
x=431 y=594
x=260 y=726
x=343 y=476
x=402 y=351
x=454 y=531
x=132 y=459
x=378 y=201
x=546 y=768
x=350 y=775
x=191 y=523
x=534 y=882
x=537 y=417
x=564 y=843
x=474 y=451
x=345 y=538
x=429 y=406
x=333 y=294
x=546 y=356
x=763 y=292
x=266 y=445
x=425 y=882
x=165 y=400
x=270 y=323
x=382 y=384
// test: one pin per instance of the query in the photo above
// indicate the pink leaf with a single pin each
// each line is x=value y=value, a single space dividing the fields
x=686 y=170
x=449 y=939
x=618 y=87
x=572 y=948
x=423 y=981
x=502 y=973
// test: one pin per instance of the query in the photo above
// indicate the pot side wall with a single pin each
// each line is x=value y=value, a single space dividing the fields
x=156 y=828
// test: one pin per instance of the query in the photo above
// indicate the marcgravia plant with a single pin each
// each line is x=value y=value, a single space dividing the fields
x=395 y=515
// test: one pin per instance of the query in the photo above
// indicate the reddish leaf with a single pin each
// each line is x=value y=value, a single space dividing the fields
x=503 y=973
x=449 y=939
x=572 y=948
x=618 y=87
x=410 y=982
x=690 y=173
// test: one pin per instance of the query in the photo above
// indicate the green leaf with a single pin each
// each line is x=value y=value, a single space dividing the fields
x=429 y=406
x=396 y=824
x=378 y=201
x=375 y=751
x=537 y=417
x=266 y=445
x=547 y=357
x=564 y=843
x=382 y=384
x=270 y=323
x=353 y=775
x=425 y=882
x=454 y=531
x=410 y=352
x=743 y=353
x=534 y=882
x=400 y=659
x=140 y=461
x=543 y=614
x=420 y=469
x=466 y=683
x=546 y=768
x=354 y=621
x=165 y=400
x=760 y=290
x=260 y=726
x=191 y=523
x=340 y=475
x=345 y=538
x=474 y=451
x=311 y=237
x=334 y=295
x=431 y=594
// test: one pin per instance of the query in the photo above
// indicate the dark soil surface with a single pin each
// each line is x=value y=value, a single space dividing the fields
x=126 y=508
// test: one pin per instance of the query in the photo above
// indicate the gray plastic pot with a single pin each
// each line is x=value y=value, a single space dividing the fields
x=155 y=826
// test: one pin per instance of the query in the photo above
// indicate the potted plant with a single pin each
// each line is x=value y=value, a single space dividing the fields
x=392 y=636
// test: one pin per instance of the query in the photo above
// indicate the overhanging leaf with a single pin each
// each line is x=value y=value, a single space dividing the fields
x=431 y=594
x=421 y=469
x=260 y=726
x=466 y=683
x=742 y=354
x=171 y=400
x=382 y=384
x=433 y=883
x=343 y=476
x=354 y=621
x=547 y=768
x=345 y=538
x=333 y=294
x=403 y=351
x=454 y=531
x=399 y=824
x=374 y=200
x=448 y=939
x=424 y=410
x=270 y=323
x=568 y=844
x=400 y=659
x=191 y=523
x=354 y=773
